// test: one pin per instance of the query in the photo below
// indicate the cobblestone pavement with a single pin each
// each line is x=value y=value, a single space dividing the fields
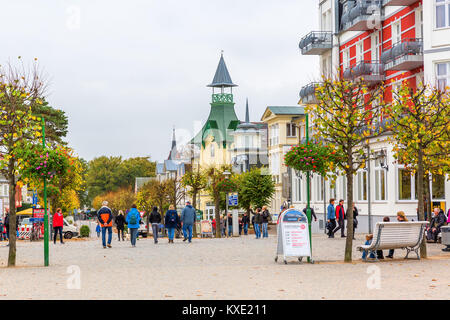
x=227 y=268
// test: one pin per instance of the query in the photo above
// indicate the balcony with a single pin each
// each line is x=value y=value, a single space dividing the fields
x=370 y=72
x=308 y=93
x=362 y=15
x=316 y=43
x=405 y=55
x=399 y=2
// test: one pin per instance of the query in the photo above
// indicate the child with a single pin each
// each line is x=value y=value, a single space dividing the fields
x=97 y=229
x=369 y=238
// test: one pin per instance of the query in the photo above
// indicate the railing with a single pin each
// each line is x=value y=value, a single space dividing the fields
x=364 y=68
x=407 y=46
x=321 y=39
x=308 y=92
x=355 y=11
x=222 y=97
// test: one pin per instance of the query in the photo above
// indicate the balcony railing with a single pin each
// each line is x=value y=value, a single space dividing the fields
x=399 y=2
x=361 y=15
x=308 y=93
x=404 y=55
x=371 y=72
x=316 y=42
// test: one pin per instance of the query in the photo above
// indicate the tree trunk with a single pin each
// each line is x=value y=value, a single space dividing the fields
x=349 y=214
x=420 y=176
x=194 y=204
x=12 y=215
x=429 y=201
x=217 y=214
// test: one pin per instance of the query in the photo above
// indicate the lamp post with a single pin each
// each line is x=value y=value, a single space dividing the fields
x=308 y=191
x=227 y=175
x=46 y=253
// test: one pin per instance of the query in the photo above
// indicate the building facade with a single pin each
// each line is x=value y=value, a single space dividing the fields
x=381 y=41
x=283 y=133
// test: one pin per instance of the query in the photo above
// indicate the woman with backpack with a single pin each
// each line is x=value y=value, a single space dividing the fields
x=155 y=219
x=171 y=221
x=132 y=220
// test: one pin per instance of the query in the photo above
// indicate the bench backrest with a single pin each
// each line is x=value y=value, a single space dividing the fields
x=389 y=235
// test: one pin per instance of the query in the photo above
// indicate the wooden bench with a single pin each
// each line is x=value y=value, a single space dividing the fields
x=396 y=235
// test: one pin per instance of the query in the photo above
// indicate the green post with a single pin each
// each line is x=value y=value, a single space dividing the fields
x=308 y=192
x=45 y=205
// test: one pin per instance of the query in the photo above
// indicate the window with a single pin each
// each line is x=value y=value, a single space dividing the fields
x=359 y=52
x=212 y=149
x=275 y=162
x=380 y=179
x=396 y=32
x=442 y=13
x=319 y=188
x=5 y=190
x=419 y=23
x=376 y=47
x=332 y=191
x=438 y=187
x=297 y=188
x=346 y=59
x=274 y=132
x=248 y=141
x=443 y=75
x=291 y=130
x=407 y=185
x=361 y=185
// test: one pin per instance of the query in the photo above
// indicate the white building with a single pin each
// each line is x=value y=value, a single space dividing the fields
x=374 y=35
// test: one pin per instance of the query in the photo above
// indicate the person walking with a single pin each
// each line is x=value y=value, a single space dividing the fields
x=258 y=222
x=132 y=220
x=401 y=217
x=105 y=218
x=1 y=229
x=340 y=217
x=223 y=225
x=245 y=222
x=265 y=221
x=7 y=224
x=188 y=216
x=98 y=230
x=331 y=218
x=313 y=214
x=155 y=220
x=171 y=221
x=230 y=225
x=355 y=219
x=58 y=223
x=120 y=224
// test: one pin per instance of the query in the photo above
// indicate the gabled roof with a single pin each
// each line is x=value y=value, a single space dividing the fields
x=170 y=165
x=160 y=168
x=284 y=110
x=222 y=77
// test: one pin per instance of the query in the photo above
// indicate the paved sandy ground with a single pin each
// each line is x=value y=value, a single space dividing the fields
x=233 y=268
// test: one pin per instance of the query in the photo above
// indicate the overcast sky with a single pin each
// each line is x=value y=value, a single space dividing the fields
x=126 y=72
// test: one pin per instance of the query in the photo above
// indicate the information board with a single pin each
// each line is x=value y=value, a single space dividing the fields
x=38 y=212
x=293 y=234
x=233 y=200
x=206 y=227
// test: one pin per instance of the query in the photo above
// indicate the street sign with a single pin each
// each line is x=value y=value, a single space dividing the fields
x=233 y=200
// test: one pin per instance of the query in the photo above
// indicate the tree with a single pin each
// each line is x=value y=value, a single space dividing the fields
x=144 y=203
x=56 y=123
x=343 y=120
x=255 y=189
x=20 y=91
x=196 y=181
x=215 y=178
x=121 y=199
x=420 y=124
x=106 y=174
x=159 y=194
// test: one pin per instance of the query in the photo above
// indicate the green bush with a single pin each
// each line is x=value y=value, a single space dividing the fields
x=85 y=231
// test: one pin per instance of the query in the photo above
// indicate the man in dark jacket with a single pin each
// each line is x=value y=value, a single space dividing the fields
x=265 y=221
x=230 y=224
x=155 y=220
x=340 y=217
x=436 y=223
x=245 y=222
x=258 y=222
x=105 y=218
x=313 y=214
x=120 y=224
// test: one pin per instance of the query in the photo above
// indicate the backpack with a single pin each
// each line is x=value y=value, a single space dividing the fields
x=133 y=219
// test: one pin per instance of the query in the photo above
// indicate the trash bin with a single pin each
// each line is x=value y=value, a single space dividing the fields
x=445 y=237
